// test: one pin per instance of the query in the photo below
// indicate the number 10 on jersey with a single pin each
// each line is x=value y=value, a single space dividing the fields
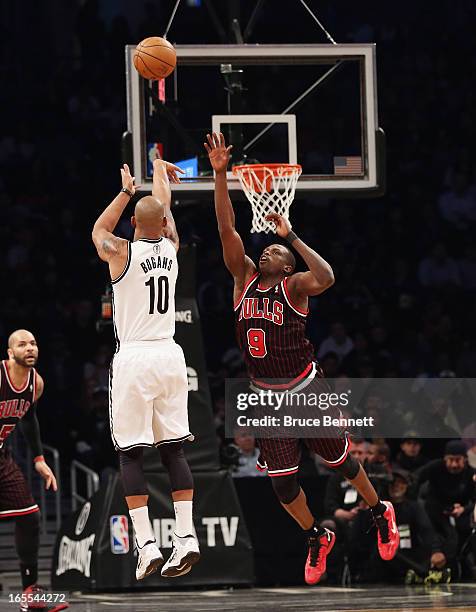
x=160 y=287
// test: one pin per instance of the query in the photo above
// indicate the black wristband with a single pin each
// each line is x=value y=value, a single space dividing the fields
x=291 y=237
x=128 y=191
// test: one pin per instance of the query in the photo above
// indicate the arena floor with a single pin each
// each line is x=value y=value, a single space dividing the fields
x=320 y=599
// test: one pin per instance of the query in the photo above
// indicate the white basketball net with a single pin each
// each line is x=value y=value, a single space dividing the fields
x=269 y=189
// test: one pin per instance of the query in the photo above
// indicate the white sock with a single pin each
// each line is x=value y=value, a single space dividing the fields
x=142 y=527
x=183 y=518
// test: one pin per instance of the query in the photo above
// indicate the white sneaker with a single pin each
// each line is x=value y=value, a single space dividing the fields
x=185 y=553
x=149 y=560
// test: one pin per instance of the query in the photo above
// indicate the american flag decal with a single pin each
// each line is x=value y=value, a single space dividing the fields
x=350 y=164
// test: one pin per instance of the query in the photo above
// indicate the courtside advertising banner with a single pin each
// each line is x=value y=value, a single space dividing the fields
x=95 y=546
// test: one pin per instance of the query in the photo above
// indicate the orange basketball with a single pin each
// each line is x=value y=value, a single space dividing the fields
x=154 y=58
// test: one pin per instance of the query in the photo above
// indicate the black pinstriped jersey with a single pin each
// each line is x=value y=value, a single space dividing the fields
x=14 y=402
x=271 y=332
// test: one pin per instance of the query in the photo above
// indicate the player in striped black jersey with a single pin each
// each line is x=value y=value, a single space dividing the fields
x=20 y=389
x=271 y=304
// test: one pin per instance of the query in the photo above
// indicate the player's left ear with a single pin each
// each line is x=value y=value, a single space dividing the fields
x=133 y=222
x=287 y=270
x=164 y=221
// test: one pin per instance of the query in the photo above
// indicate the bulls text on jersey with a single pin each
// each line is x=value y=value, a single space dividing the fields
x=14 y=403
x=14 y=408
x=251 y=309
x=271 y=332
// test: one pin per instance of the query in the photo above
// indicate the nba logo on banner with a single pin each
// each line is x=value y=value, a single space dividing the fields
x=119 y=534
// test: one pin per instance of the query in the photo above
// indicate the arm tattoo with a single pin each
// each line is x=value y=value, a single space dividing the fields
x=109 y=247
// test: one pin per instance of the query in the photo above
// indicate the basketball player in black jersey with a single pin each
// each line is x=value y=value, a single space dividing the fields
x=271 y=304
x=20 y=389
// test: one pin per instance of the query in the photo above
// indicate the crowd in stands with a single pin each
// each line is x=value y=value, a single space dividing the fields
x=434 y=501
x=405 y=265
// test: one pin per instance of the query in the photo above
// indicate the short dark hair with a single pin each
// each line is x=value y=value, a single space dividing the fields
x=290 y=259
x=456 y=447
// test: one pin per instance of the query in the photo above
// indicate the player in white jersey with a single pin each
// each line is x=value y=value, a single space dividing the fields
x=148 y=376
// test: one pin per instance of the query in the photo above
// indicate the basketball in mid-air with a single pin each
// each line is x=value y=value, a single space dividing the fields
x=154 y=58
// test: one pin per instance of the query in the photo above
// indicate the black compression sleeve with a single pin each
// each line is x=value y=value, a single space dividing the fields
x=31 y=431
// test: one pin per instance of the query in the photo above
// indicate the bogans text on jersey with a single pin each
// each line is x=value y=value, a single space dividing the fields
x=156 y=263
x=144 y=293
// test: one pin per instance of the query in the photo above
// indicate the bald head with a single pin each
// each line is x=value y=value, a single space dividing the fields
x=19 y=335
x=22 y=348
x=149 y=214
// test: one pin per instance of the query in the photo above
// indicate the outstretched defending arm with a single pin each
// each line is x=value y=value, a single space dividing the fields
x=319 y=277
x=164 y=173
x=238 y=263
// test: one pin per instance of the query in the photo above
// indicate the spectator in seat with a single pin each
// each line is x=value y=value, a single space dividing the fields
x=378 y=453
x=458 y=205
x=377 y=466
x=360 y=351
x=330 y=365
x=342 y=504
x=244 y=455
x=409 y=457
x=337 y=342
x=419 y=550
x=439 y=270
x=450 y=498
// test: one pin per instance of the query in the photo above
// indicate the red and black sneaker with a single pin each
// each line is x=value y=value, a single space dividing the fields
x=32 y=599
x=319 y=548
x=387 y=532
x=35 y=599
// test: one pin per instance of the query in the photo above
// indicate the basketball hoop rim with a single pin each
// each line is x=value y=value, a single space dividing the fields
x=273 y=167
x=269 y=188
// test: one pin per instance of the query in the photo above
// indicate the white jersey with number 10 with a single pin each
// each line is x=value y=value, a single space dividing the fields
x=144 y=294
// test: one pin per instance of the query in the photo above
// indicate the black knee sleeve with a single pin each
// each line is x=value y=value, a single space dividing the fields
x=132 y=473
x=173 y=459
x=286 y=488
x=27 y=538
x=349 y=469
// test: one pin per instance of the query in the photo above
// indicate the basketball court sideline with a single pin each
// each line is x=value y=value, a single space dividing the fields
x=455 y=598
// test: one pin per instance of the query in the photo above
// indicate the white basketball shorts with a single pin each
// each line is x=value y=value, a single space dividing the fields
x=148 y=395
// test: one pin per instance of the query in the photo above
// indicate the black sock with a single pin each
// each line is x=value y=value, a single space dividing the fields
x=29 y=574
x=315 y=531
x=27 y=540
x=378 y=509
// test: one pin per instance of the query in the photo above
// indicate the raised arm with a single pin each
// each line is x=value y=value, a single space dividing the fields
x=107 y=245
x=238 y=263
x=319 y=277
x=164 y=173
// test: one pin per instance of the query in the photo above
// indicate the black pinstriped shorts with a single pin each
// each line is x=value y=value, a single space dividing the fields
x=15 y=495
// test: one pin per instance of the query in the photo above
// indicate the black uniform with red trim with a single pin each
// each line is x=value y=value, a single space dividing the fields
x=271 y=333
x=15 y=495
